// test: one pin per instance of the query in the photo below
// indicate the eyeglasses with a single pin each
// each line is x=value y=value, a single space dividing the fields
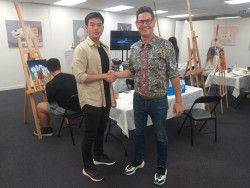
x=148 y=22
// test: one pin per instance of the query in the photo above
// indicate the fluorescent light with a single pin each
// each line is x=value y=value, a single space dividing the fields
x=237 y=2
x=118 y=8
x=69 y=2
x=161 y=11
x=179 y=16
x=222 y=18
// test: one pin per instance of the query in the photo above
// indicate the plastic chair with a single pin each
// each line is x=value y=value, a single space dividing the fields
x=72 y=101
x=202 y=115
x=244 y=92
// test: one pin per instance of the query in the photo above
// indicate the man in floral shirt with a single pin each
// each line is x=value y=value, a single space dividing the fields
x=152 y=63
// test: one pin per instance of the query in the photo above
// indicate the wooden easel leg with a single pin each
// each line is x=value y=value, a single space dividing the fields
x=225 y=85
x=25 y=105
x=220 y=85
x=44 y=96
x=33 y=106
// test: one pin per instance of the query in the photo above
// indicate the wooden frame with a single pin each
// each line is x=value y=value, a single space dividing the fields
x=222 y=82
x=32 y=54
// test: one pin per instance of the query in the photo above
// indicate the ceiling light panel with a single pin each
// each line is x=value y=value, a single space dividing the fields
x=69 y=2
x=223 y=18
x=237 y=2
x=179 y=16
x=161 y=11
x=118 y=8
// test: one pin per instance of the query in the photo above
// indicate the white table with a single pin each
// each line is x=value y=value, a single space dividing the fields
x=238 y=79
x=124 y=115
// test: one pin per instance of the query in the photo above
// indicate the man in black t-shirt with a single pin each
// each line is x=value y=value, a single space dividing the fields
x=58 y=90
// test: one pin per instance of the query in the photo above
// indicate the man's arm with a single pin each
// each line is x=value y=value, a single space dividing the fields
x=112 y=76
x=178 y=108
x=95 y=77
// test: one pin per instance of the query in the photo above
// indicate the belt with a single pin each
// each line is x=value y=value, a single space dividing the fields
x=151 y=97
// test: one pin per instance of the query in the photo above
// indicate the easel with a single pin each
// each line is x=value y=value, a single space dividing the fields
x=222 y=76
x=32 y=54
x=156 y=16
x=193 y=54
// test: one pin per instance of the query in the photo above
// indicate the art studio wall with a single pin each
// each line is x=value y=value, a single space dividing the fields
x=57 y=30
x=238 y=53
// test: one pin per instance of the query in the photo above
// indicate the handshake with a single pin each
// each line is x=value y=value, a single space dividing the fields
x=110 y=76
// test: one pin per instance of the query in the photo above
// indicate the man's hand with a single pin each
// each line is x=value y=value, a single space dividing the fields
x=178 y=109
x=115 y=104
x=111 y=76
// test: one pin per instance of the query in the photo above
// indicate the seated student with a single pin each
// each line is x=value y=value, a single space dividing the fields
x=58 y=90
x=210 y=64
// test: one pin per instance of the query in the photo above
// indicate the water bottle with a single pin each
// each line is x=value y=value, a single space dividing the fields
x=236 y=66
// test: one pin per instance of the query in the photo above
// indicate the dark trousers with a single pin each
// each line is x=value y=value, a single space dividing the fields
x=96 y=120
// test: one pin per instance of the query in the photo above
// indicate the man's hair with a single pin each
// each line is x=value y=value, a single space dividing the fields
x=53 y=64
x=93 y=15
x=144 y=9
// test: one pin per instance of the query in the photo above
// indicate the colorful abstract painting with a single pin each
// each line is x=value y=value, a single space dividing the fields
x=222 y=59
x=39 y=74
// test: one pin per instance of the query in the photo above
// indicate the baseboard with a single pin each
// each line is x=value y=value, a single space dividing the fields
x=11 y=87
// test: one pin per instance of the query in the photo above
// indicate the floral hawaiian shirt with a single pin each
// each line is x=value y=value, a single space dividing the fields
x=158 y=58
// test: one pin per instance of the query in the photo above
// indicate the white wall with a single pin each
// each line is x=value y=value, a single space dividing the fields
x=204 y=30
x=57 y=28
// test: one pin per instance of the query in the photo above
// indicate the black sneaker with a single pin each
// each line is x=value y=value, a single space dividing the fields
x=103 y=159
x=131 y=168
x=93 y=173
x=46 y=131
x=160 y=175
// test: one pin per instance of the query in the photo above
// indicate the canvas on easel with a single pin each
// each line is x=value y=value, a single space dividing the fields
x=32 y=54
x=39 y=74
x=221 y=67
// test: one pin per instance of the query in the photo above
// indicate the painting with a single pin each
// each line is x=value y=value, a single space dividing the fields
x=124 y=27
x=39 y=73
x=226 y=35
x=222 y=59
x=14 y=30
x=79 y=32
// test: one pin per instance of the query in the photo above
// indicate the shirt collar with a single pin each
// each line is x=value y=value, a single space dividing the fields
x=91 y=43
x=151 y=43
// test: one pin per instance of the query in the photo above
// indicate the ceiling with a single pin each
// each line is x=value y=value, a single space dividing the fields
x=201 y=9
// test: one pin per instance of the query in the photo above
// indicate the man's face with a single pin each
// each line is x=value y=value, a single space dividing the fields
x=95 y=28
x=145 y=24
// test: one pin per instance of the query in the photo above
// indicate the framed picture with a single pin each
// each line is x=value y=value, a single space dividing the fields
x=39 y=73
x=79 y=32
x=124 y=27
x=226 y=35
x=14 y=30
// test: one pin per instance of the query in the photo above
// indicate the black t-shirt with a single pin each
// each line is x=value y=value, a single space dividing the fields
x=60 y=88
x=105 y=69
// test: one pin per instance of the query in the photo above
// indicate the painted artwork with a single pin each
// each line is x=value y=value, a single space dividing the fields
x=226 y=35
x=14 y=30
x=222 y=59
x=79 y=32
x=124 y=27
x=39 y=73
